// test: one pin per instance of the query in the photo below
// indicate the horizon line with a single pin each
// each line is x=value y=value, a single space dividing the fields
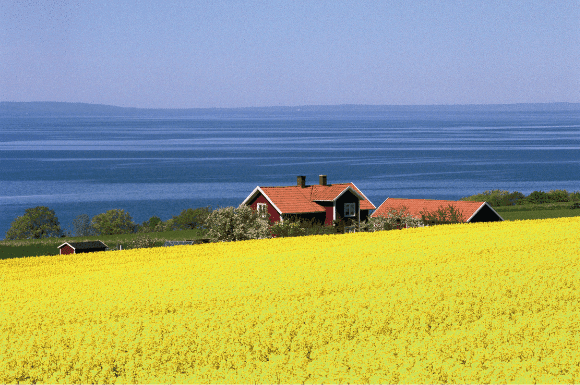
x=291 y=106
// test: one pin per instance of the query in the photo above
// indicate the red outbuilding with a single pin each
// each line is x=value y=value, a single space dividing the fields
x=471 y=211
x=82 y=247
x=322 y=202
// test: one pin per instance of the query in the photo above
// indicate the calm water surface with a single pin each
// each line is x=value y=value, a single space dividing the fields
x=160 y=166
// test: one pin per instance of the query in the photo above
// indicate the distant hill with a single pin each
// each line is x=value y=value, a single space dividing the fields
x=61 y=109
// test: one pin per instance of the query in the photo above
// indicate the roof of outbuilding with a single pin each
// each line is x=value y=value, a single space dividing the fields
x=297 y=199
x=85 y=245
x=415 y=206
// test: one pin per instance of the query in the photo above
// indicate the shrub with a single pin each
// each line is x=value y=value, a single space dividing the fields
x=538 y=197
x=513 y=199
x=497 y=198
x=443 y=215
x=294 y=226
x=38 y=222
x=150 y=225
x=237 y=224
x=395 y=219
x=114 y=221
x=142 y=242
x=375 y=224
x=168 y=225
x=191 y=218
x=558 y=196
x=314 y=227
x=287 y=228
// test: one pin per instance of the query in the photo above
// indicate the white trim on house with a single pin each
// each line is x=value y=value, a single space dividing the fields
x=359 y=196
x=364 y=196
x=261 y=207
x=253 y=195
x=371 y=215
x=66 y=243
x=480 y=207
x=351 y=209
x=495 y=211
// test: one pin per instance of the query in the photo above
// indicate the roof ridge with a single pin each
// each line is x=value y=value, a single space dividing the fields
x=436 y=200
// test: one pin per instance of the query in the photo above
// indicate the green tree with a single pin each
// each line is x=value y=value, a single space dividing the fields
x=497 y=198
x=150 y=225
x=115 y=221
x=82 y=226
x=191 y=218
x=559 y=196
x=538 y=197
x=38 y=222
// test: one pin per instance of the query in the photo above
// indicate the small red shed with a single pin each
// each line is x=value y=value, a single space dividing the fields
x=82 y=247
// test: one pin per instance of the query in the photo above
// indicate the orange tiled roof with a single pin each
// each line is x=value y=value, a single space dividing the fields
x=415 y=206
x=296 y=199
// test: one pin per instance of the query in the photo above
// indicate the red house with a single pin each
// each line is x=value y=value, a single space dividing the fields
x=322 y=202
x=82 y=247
x=472 y=211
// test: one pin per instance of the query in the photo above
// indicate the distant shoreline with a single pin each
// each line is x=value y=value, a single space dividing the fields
x=65 y=109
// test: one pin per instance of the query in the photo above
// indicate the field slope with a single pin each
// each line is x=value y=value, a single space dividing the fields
x=468 y=303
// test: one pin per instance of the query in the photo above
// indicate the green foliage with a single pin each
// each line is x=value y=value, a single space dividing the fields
x=443 y=215
x=38 y=222
x=168 y=225
x=526 y=213
x=48 y=246
x=152 y=222
x=553 y=196
x=497 y=198
x=82 y=226
x=287 y=229
x=115 y=221
x=32 y=250
x=395 y=219
x=559 y=196
x=538 y=197
x=150 y=225
x=191 y=218
x=237 y=224
x=314 y=227
x=140 y=242
x=296 y=227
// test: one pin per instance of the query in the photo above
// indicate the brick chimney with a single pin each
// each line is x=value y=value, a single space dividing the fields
x=302 y=181
x=322 y=180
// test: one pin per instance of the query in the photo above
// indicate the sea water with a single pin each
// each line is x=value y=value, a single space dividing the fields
x=159 y=165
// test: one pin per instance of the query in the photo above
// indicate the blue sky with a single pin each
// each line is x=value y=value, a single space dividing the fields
x=187 y=54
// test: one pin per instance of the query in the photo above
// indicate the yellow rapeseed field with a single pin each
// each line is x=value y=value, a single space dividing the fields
x=469 y=303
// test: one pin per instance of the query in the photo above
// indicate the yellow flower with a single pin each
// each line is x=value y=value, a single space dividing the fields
x=482 y=302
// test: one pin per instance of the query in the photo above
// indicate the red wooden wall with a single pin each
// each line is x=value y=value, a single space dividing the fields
x=66 y=249
x=274 y=215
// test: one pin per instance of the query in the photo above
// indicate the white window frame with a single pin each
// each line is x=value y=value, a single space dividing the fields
x=262 y=206
x=350 y=210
